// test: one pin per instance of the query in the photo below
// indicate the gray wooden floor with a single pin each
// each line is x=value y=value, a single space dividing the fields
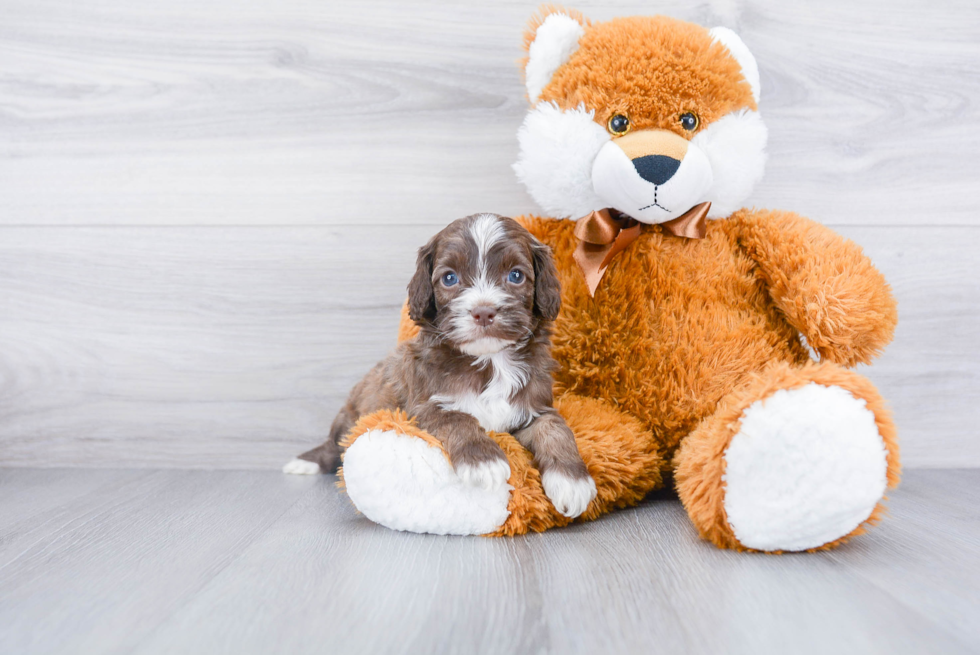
x=152 y=561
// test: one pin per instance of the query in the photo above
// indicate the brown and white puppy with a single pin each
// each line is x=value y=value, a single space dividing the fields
x=484 y=295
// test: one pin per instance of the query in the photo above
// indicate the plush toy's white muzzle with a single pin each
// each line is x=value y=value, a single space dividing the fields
x=653 y=176
x=571 y=165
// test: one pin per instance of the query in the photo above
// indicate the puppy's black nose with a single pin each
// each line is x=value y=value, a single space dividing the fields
x=656 y=168
x=484 y=315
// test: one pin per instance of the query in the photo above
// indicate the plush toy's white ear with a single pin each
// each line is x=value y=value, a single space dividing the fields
x=555 y=40
x=740 y=51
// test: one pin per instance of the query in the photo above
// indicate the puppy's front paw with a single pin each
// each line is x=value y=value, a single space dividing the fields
x=489 y=474
x=570 y=496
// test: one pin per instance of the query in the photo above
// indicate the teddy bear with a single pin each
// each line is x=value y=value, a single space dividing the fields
x=701 y=344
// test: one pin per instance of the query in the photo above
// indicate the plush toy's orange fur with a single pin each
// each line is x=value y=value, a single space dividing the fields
x=695 y=75
x=699 y=463
x=677 y=324
x=683 y=335
x=678 y=327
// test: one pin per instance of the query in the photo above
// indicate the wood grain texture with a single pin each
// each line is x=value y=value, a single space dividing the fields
x=209 y=209
x=259 y=562
x=195 y=347
x=234 y=347
x=933 y=515
x=96 y=572
x=298 y=112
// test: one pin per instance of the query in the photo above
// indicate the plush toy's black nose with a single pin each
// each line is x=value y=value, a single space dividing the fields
x=656 y=168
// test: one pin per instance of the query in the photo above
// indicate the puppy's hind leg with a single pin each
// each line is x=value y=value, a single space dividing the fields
x=325 y=458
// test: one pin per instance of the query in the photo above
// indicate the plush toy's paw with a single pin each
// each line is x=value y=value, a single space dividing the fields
x=399 y=478
x=570 y=496
x=806 y=468
x=301 y=467
x=486 y=475
x=795 y=468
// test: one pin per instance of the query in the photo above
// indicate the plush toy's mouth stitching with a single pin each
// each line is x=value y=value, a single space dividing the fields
x=655 y=203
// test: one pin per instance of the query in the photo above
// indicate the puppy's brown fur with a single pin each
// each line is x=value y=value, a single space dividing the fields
x=452 y=365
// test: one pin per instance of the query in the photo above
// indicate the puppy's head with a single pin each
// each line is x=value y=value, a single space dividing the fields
x=483 y=284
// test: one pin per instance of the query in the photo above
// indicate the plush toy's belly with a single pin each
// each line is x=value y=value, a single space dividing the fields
x=674 y=326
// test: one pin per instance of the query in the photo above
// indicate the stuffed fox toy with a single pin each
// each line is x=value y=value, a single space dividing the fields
x=687 y=322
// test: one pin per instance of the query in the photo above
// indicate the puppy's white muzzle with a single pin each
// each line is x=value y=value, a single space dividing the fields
x=652 y=175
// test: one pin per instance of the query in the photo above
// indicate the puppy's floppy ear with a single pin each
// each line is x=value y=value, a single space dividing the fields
x=547 y=288
x=421 y=295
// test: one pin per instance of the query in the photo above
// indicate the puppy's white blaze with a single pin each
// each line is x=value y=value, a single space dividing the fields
x=485 y=231
x=301 y=467
x=487 y=475
x=735 y=145
x=557 y=149
x=570 y=496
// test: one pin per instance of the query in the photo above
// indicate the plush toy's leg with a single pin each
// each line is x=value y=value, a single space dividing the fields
x=400 y=477
x=795 y=459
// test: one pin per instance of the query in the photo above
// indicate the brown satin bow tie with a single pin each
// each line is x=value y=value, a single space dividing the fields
x=605 y=233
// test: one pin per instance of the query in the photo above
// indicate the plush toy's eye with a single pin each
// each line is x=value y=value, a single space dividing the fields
x=690 y=121
x=449 y=279
x=515 y=277
x=618 y=125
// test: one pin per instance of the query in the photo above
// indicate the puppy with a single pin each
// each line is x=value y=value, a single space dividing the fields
x=484 y=296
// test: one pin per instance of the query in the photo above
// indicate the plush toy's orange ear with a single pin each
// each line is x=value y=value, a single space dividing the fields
x=550 y=40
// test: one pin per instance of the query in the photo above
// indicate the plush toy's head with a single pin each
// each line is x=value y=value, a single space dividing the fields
x=646 y=115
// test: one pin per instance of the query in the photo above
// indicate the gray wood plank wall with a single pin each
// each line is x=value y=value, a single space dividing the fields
x=208 y=209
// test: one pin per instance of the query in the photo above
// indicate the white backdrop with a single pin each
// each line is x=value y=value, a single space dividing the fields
x=209 y=209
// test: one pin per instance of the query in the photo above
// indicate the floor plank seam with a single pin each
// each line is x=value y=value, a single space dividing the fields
x=951 y=634
x=204 y=584
x=93 y=515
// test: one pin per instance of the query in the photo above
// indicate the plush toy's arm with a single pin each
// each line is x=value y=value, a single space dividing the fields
x=407 y=329
x=823 y=283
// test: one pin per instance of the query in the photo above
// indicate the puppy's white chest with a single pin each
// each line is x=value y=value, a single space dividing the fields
x=492 y=407
x=492 y=411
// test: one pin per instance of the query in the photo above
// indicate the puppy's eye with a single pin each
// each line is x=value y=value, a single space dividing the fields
x=515 y=277
x=618 y=125
x=690 y=121
x=449 y=279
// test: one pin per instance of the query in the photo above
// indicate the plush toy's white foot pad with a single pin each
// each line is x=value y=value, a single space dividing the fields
x=301 y=467
x=806 y=467
x=570 y=496
x=488 y=475
x=404 y=483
